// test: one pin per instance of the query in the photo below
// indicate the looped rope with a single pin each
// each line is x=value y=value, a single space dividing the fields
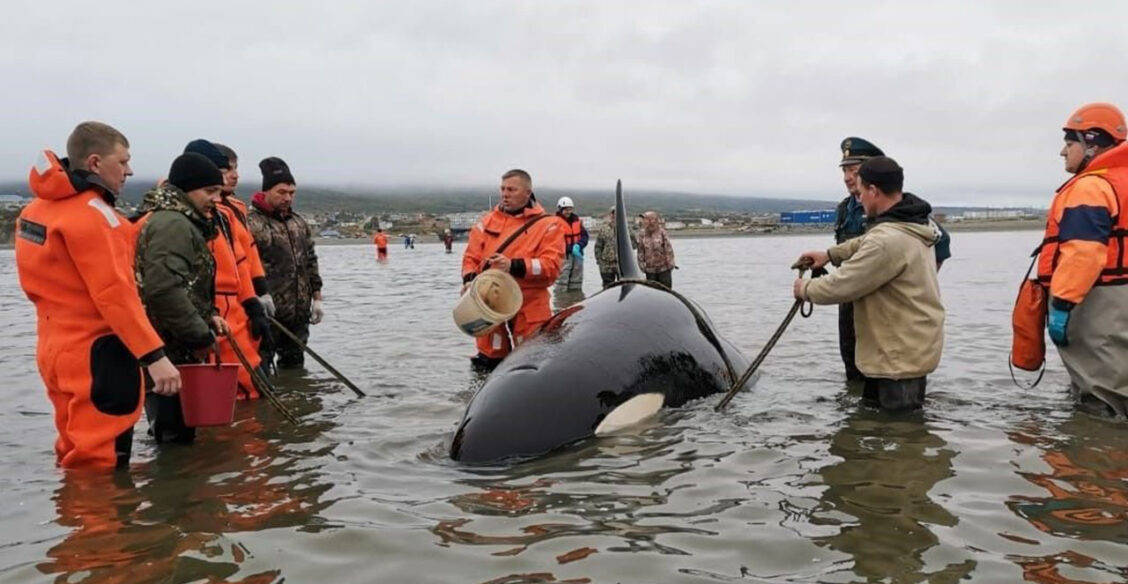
x=797 y=307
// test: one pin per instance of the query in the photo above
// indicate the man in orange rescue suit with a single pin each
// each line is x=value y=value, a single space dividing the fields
x=533 y=258
x=235 y=296
x=1083 y=258
x=74 y=253
x=381 y=241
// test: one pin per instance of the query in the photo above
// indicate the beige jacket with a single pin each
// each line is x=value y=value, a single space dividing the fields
x=890 y=275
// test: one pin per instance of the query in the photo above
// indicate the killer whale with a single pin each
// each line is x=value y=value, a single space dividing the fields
x=597 y=366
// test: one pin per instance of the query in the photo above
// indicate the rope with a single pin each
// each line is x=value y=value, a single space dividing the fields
x=262 y=384
x=796 y=307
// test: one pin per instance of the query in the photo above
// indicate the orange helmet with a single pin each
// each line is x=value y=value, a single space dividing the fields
x=1099 y=116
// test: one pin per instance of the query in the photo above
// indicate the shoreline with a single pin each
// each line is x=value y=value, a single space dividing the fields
x=954 y=227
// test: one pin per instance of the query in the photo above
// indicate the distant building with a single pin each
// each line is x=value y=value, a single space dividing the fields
x=994 y=214
x=12 y=201
x=806 y=217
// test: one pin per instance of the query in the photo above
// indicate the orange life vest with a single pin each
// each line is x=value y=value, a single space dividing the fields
x=572 y=232
x=1096 y=261
x=380 y=240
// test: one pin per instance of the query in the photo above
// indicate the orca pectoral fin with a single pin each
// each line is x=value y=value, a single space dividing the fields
x=631 y=412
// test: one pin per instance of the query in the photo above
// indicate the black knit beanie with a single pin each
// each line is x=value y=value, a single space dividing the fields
x=191 y=171
x=275 y=171
x=201 y=146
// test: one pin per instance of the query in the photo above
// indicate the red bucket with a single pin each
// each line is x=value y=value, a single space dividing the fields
x=207 y=393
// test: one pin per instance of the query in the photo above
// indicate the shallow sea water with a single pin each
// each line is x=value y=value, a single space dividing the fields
x=794 y=482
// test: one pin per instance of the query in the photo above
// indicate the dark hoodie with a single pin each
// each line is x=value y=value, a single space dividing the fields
x=913 y=209
x=176 y=272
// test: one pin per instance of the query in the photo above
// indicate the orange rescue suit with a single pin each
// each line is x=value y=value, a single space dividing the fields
x=1087 y=229
x=536 y=254
x=380 y=240
x=233 y=287
x=74 y=254
x=243 y=236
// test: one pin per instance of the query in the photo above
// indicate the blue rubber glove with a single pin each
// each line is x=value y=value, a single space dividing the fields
x=576 y=251
x=1058 y=321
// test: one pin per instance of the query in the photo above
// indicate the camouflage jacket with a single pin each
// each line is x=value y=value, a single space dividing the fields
x=606 y=252
x=655 y=253
x=285 y=244
x=176 y=272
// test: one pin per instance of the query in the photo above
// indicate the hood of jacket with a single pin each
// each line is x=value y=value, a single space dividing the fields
x=170 y=198
x=911 y=215
x=52 y=179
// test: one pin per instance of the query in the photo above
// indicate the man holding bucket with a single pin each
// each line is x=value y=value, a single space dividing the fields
x=519 y=239
x=176 y=277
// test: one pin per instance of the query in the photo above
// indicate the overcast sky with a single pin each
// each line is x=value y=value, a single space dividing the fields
x=746 y=98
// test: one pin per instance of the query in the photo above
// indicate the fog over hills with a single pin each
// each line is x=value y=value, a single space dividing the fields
x=440 y=200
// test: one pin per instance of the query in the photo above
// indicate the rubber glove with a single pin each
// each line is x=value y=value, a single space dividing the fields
x=1058 y=322
x=316 y=313
x=260 y=325
x=267 y=304
x=576 y=251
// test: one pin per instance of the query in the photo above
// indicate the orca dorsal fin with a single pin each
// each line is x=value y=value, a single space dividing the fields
x=628 y=264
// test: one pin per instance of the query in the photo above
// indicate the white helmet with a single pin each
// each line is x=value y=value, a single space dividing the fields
x=564 y=202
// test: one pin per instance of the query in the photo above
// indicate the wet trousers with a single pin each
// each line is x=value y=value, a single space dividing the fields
x=381 y=253
x=290 y=355
x=166 y=419
x=847 y=341
x=232 y=312
x=571 y=276
x=665 y=278
x=95 y=387
x=895 y=394
x=1097 y=354
x=535 y=311
x=608 y=277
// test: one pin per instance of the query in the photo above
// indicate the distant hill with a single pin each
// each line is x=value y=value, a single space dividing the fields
x=380 y=200
x=317 y=199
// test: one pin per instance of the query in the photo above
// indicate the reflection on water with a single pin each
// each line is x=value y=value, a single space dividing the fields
x=795 y=482
x=878 y=495
x=165 y=520
x=1086 y=493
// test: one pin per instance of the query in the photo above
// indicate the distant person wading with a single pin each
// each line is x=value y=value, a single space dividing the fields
x=575 y=241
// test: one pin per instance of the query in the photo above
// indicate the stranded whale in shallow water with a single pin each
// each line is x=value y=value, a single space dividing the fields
x=596 y=367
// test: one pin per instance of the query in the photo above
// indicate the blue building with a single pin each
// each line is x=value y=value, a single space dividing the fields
x=806 y=217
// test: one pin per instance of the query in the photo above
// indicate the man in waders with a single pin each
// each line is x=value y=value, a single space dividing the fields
x=606 y=249
x=1083 y=259
x=850 y=222
x=176 y=277
x=235 y=257
x=448 y=240
x=575 y=241
x=381 y=242
x=533 y=258
x=285 y=243
x=889 y=274
x=74 y=254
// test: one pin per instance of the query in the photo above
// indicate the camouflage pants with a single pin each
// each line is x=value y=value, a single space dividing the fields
x=290 y=355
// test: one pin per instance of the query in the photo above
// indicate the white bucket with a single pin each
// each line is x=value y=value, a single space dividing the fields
x=491 y=299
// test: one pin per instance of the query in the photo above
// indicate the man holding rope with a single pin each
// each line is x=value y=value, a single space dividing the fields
x=889 y=274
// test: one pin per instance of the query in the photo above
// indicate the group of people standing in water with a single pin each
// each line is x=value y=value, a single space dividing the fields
x=196 y=275
x=888 y=253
